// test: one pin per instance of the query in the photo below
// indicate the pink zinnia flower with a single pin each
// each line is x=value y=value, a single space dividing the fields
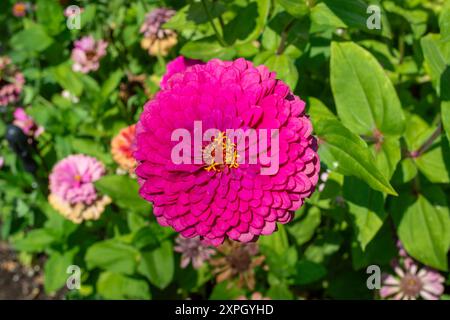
x=410 y=282
x=236 y=201
x=177 y=66
x=26 y=123
x=72 y=190
x=193 y=250
x=87 y=53
x=11 y=82
x=72 y=179
x=2 y=162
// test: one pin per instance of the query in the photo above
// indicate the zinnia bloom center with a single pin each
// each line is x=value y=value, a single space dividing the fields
x=220 y=153
x=411 y=285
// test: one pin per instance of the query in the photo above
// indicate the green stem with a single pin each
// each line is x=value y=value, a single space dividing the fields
x=284 y=36
x=428 y=143
x=211 y=21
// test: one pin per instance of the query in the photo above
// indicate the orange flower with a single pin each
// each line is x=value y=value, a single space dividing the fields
x=122 y=148
x=20 y=9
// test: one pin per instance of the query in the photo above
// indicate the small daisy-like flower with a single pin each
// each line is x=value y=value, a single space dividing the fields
x=122 y=147
x=66 y=94
x=193 y=251
x=72 y=190
x=11 y=82
x=87 y=53
x=158 y=41
x=410 y=282
x=26 y=123
x=237 y=261
x=20 y=9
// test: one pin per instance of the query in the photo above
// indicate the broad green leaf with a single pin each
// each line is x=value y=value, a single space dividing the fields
x=445 y=116
x=116 y=286
x=417 y=19
x=348 y=154
x=434 y=162
x=318 y=111
x=285 y=68
x=124 y=191
x=381 y=250
x=278 y=242
x=423 y=225
x=35 y=241
x=50 y=15
x=56 y=270
x=249 y=22
x=296 y=8
x=111 y=84
x=112 y=255
x=387 y=155
x=206 y=49
x=158 y=265
x=309 y=272
x=437 y=57
x=323 y=247
x=302 y=230
x=32 y=39
x=222 y=291
x=444 y=22
x=366 y=100
x=68 y=79
x=366 y=209
x=279 y=291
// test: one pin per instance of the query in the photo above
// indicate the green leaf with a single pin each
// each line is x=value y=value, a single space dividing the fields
x=112 y=255
x=423 y=225
x=278 y=242
x=387 y=155
x=124 y=191
x=115 y=286
x=302 y=230
x=50 y=15
x=296 y=8
x=33 y=39
x=348 y=154
x=222 y=291
x=35 y=241
x=56 y=270
x=158 y=265
x=111 y=84
x=309 y=272
x=434 y=163
x=366 y=209
x=206 y=49
x=318 y=111
x=437 y=57
x=68 y=79
x=366 y=100
x=285 y=68
x=444 y=22
x=445 y=116
x=249 y=22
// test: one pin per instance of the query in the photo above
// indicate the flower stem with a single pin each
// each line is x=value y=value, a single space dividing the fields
x=211 y=21
x=284 y=36
x=428 y=143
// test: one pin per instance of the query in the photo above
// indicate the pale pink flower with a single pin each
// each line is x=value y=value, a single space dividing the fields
x=11 y=82
x=72 y=179
x=87 y=53
x=410 y=282
x=193 y=251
